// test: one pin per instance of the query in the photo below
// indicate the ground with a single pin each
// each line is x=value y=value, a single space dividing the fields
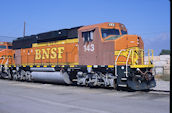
x=162 y=85
x=23 y=97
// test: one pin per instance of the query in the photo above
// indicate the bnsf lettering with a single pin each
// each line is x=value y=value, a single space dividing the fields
x=47 y=53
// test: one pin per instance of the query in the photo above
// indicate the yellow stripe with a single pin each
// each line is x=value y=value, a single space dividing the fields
x=53 y=64
x=141 y=66
x=89 y=65
x=55 y=43
x=123 y=62
x=75 y=63
x=125 y=53
x=110 y=66
x=72 y=66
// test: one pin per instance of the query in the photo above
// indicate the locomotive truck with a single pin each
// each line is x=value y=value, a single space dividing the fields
x=102 y=55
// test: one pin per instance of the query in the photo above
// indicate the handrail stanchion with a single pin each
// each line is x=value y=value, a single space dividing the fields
x=116 y=61
x=127 y=63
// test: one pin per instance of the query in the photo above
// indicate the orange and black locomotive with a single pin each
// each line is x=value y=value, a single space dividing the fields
x=95 y=55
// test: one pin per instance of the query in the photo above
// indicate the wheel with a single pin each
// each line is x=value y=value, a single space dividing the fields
x=115 y=86
x=15 y=77
x=28 y=76
x=9 y=75
x=22 y=75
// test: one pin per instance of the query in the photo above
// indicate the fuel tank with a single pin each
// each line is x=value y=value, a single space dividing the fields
x=50 y=76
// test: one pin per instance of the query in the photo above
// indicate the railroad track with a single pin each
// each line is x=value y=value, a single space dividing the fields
x=151 y=91
x=159 y=91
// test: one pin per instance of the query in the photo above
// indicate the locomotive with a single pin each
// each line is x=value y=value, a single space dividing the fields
x=102 y=55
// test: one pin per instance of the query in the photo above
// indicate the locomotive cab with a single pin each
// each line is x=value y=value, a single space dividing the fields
x=5 y=53
x=6 y=59
x=5 y=45
x=98 y=43
x=110 y=44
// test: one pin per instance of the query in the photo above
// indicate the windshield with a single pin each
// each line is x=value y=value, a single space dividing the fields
x=123 y=32
x=9 y=47
x=107 y=32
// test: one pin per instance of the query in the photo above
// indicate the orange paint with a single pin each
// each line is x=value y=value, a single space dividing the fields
x=59 y=54
x=6 y=53
x=66 y=52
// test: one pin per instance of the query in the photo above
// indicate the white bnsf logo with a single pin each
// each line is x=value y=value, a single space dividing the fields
x=89 y=47
x=111 y=24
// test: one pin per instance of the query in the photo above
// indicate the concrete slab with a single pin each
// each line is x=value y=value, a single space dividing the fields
x=164 y=57
x=23 y=97
x=160 y=63
x=162 y=85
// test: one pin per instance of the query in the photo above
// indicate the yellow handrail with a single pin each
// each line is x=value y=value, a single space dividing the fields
x=135 y=58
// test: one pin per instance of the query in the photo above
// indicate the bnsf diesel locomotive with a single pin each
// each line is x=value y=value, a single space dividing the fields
x=95 y=55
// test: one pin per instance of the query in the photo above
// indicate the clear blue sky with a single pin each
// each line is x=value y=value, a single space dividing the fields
x=148 y=18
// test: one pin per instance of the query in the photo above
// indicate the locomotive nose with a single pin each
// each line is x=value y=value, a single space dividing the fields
x=123 y=45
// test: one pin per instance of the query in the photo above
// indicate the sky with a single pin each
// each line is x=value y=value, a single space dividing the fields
x=149 y=19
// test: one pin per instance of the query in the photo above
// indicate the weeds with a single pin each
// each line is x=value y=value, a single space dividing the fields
x=165 y=77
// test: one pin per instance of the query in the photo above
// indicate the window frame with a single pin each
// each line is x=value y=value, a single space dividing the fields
x=122 y=32
x=116 y=32
x=10 y=47
x=3 y=47
x=89 y=37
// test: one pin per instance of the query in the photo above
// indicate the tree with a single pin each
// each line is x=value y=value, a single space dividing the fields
x=165 y=52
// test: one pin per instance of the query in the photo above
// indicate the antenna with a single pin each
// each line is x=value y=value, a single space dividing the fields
x=24 y=29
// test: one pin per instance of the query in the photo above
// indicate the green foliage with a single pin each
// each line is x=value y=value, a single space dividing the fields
x=165 y=77
x=165 y=52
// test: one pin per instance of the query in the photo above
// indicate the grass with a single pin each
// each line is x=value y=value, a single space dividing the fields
x=165 y=77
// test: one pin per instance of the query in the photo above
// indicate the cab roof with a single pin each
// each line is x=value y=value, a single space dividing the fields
x=105 y=25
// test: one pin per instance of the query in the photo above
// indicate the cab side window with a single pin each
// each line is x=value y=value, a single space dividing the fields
x=9 y=47
x=3 y=47
x=123 y=32
x=117 y=32
x=88 y=36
